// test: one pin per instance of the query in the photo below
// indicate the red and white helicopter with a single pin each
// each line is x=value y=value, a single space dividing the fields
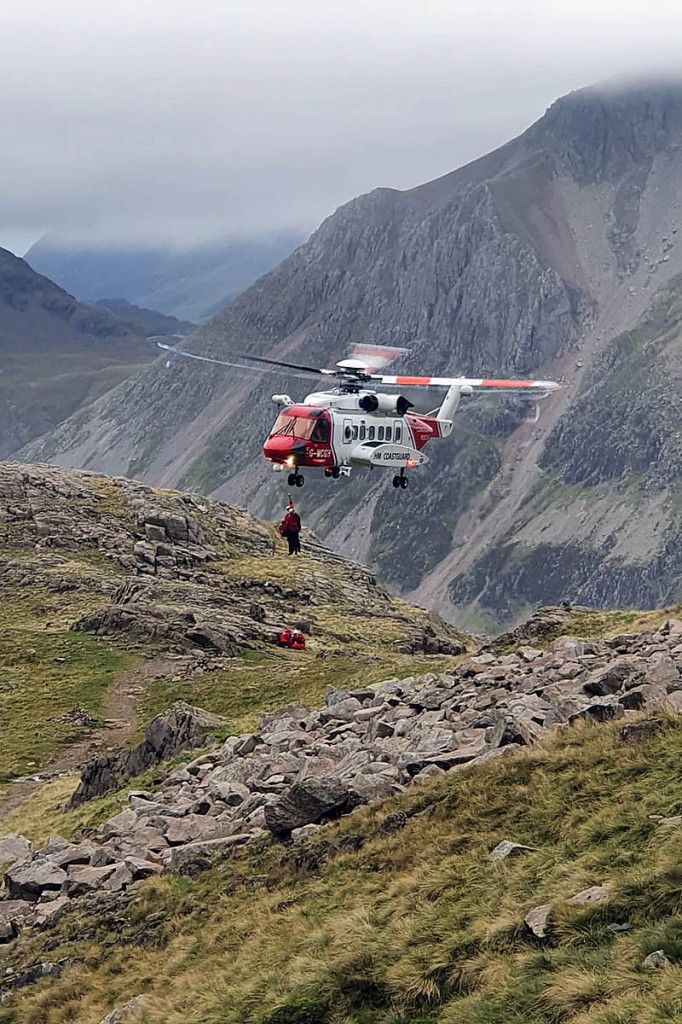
x=354 y=424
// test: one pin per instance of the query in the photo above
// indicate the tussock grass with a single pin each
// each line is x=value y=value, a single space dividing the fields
x=418 y=925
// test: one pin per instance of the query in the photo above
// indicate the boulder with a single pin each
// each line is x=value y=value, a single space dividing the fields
x=126 y=1014
x=306 y=803
x=70 y=853
x=14 y=849
x=46 y=914
x=610 y=678
x=595 y=894
x=180 y=728
x=120 y=878
x=638 y=731
x=661 y=670
x=654 y=961
x=597 y=711
x=302 y=834
x=120 y=824
x=508 y=849
x=674 y=702
x=343 y=710
x=364 y=788
x=140 y=868
x=33 y=879
x=230 y=793
x=12 y=913
x=194 y=855
x=663 y=822
x=86 y=879
x=537 y=920
x=55 y=844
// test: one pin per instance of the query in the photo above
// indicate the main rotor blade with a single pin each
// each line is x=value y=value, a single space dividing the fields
x=288 y=366
x=478 y=385
x=221 y=362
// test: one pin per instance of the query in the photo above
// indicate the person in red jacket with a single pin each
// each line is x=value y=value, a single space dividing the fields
x=284 y=638
x=297 y=642
x=290 y=528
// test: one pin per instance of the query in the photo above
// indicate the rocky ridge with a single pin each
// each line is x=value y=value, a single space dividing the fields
x=185 y=574
x=303 y=767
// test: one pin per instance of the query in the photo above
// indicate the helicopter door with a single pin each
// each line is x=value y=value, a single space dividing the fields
x=347 y=431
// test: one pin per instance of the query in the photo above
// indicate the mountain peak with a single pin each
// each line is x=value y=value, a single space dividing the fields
x=603 y=131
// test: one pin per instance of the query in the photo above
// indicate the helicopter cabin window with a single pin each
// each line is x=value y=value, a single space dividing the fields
x=388 y=433
x=355 y=431
x=380 y=433
x=362 y=432
x=398 y=433
x=347 y=430
x=370 y=433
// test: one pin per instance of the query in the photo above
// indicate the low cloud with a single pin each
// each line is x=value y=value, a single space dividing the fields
x=180 y=122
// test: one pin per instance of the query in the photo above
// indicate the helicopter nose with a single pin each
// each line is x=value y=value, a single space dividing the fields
x=281 y=449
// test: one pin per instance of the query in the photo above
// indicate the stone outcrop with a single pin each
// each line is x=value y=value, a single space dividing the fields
x=13 y=849
x=180 y=728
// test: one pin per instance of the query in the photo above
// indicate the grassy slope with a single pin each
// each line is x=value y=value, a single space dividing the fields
x=418 y=925
x=47 y=669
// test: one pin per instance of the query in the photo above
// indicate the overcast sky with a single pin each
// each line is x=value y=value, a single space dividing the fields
x=179 y=121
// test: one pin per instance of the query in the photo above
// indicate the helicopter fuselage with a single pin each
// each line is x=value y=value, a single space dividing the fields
x=334 y=431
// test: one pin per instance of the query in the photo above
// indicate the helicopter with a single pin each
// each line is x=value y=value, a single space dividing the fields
x=357 y=425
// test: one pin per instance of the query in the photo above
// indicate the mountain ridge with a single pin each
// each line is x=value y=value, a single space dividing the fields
x=57 y=354
x=191 y=284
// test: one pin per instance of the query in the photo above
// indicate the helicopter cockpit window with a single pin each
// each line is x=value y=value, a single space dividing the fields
x=301 y=427
x=320 y=432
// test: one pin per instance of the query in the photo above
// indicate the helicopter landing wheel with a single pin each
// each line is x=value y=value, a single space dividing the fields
x=336 y=472
x=291 y=479
x=403 y=481
x=328 y=471
x=397 y=481
x=298 y=480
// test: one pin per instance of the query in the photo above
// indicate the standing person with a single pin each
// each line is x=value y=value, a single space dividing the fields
x=290 y=528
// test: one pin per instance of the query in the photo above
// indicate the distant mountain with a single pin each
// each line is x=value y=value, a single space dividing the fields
x=557 y=255
x=191 y=284
x=150 y=320
x=56 y=355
